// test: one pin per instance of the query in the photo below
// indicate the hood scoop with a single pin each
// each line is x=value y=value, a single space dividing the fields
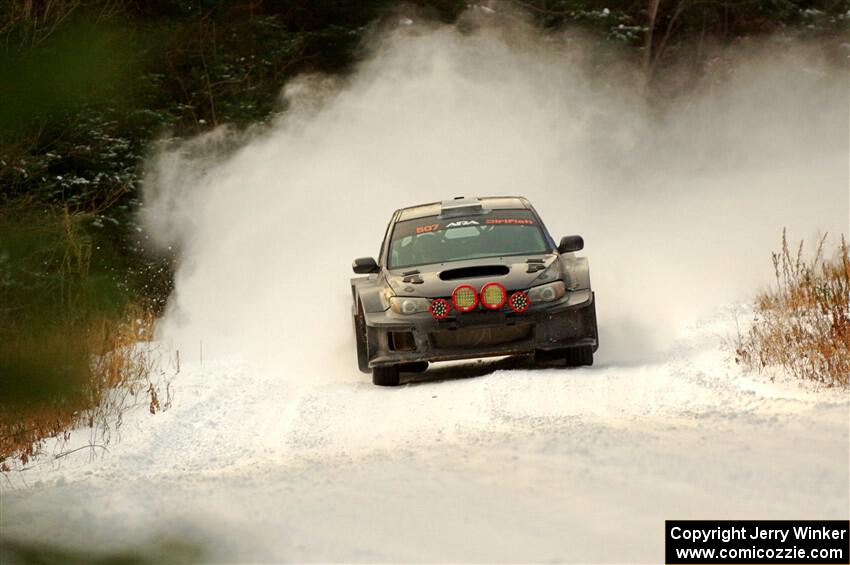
x=412 y=277
x=535 y=265
x=472 y=272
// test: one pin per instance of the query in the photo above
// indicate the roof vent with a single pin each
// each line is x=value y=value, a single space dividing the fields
x=460 y=206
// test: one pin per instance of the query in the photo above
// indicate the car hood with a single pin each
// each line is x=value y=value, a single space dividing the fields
x=516 y=272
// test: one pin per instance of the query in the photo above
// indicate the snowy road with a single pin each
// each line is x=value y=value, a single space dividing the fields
x=290 y=454
x=490 y=462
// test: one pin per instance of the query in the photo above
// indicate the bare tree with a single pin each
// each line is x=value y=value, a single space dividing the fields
x=652 y=13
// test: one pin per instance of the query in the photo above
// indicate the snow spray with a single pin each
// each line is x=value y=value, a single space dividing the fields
x=680 y=203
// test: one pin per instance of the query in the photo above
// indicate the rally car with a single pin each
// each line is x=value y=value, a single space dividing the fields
x=468 y=278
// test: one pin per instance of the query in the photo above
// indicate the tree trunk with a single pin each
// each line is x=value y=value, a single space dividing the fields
x=651 y=12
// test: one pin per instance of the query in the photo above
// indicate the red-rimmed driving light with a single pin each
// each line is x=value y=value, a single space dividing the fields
x=519 y=301
x=440 y=308
x=464 y=298
x=493 y=295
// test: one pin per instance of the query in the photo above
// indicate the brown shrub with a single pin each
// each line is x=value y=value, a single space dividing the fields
x=107 y=366
x=803 y=324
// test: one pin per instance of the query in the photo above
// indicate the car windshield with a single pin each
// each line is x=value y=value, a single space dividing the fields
x=435 y=240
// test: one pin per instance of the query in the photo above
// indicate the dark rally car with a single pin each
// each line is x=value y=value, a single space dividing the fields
x=468 y=278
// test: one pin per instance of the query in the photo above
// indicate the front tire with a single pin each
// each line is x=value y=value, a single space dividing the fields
x=385 y=376
x=362 y=341
x=579 y=356
x=545 y=357
x=570 y=356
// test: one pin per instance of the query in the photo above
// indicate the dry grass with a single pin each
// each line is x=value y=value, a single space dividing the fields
x=803 y=324
x=118 y=364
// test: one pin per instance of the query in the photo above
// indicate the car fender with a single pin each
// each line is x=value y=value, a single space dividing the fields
x=366 y=294
x=576 y=271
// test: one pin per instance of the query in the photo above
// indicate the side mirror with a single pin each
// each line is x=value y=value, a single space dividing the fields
x=365 y=265
x=570 y=243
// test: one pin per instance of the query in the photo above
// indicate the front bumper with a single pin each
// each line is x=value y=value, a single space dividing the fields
x=395 y=338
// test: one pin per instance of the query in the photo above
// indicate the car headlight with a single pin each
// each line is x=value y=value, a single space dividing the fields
x=547 y=292
x=408 y=305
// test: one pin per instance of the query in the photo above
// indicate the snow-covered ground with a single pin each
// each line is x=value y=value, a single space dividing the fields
x=490 y=461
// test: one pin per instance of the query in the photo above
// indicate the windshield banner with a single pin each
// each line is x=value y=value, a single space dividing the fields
x=434 y=223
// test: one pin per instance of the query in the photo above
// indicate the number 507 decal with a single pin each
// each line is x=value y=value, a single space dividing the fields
x=426 y=229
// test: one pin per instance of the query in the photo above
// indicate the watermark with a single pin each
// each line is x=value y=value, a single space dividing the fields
x=816 y=542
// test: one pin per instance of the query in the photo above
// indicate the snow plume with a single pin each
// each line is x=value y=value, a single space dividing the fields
x=679 y=203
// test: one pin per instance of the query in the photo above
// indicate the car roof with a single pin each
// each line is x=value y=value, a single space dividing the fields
x=459 y=202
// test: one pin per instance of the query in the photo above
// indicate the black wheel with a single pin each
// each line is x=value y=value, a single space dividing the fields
x=385 y=376
x=416 y=367
x=361 y=340
x=579 y=356
x=549 y=357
